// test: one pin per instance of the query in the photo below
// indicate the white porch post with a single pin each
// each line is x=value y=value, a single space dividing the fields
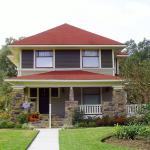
x=71 y=94
x=50 y=117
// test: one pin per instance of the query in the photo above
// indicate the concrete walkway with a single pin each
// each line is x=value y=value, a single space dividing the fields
x=47 y=139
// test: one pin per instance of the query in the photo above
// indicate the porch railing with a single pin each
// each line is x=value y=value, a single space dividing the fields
x=91 y=109
x=133 y=109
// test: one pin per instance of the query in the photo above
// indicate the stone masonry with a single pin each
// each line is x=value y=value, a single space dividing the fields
x=70 y=107
x=117 y=105
x=18 y=98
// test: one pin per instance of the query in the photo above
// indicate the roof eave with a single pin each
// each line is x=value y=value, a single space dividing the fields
x=30 y=80
x=22 y=46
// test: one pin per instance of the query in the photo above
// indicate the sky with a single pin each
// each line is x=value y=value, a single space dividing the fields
x=120 y=20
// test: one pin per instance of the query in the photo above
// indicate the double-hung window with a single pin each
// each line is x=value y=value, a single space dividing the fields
x=44 y=59
x=90 y=59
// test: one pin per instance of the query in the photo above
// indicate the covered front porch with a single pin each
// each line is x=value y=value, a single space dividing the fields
x=57 y=94
x=56 y=104
x=89 y=99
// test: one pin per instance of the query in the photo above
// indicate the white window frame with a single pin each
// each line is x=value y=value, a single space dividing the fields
x=98 y=56
x=44 y=56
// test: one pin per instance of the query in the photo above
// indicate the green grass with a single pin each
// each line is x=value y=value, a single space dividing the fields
x=11 y=139
x=87 y=139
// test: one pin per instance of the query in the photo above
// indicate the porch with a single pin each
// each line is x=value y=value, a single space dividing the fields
x=56 y=94
x=53 y=99
x=56 y=104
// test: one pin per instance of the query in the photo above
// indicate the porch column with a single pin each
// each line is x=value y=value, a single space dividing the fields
x=17 y=100
x=71 y=94
x=118 y=103
x=70 y=107
x=119 y=97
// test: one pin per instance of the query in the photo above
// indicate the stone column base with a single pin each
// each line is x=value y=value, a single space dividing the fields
x=116 y=107
x=70 y=107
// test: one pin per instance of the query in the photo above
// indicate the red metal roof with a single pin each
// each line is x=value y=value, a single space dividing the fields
x=66 y=35
x=67 y=75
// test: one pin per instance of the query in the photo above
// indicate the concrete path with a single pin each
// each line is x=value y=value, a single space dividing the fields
x=47 y=139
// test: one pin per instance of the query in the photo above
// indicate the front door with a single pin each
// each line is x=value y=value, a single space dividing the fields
x=44 y=100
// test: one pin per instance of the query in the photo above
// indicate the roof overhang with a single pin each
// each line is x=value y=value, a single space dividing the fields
x=69 y=46
x=64 y=83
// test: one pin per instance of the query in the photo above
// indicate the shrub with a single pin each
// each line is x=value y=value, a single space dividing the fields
x=138 y=119
x=121 y=120
x=147 y=113
x=78 y=116
x=129 y=132
x=7 y=124
x=18 y=125
x=27 y=126
x=22 y=118
x=4 y=115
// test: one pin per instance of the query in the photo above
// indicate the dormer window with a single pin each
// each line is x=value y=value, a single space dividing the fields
x=90 y=59
x=44 y=59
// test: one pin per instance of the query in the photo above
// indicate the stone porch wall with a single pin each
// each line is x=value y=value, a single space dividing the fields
x=117 y=105
x=70 y=107
x=18 y=98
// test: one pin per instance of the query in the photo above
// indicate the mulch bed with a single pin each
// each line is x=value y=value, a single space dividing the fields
x=140 y=144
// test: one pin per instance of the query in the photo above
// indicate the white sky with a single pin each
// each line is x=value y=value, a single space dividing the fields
x=116 y=19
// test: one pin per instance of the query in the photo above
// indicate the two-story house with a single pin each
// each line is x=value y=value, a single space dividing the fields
x=67 y=67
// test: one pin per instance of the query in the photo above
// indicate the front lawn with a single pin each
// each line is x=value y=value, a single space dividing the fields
x=11 y=139
x=87 y=139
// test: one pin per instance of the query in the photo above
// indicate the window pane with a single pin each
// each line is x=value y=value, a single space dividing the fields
x=44 y=53
x=91 y=99
x=91 y=62
x=33 y=92
x=54 y=92
x=90 y=53
x=44 y=62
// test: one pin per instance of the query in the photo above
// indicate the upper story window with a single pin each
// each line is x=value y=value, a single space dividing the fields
x=44 y=59
x=90 y=59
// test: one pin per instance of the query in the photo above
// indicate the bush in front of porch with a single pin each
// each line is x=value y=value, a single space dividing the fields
x=79 y=120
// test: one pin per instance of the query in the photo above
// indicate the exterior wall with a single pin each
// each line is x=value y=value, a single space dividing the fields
x=107 y=93
x=28 y=71
x=100 y=71
x=58 y=104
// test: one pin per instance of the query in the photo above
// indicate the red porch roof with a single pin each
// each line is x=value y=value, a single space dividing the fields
x=66 y=35
x=67 y=75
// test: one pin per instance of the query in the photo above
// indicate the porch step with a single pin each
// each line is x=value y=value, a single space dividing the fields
x=42 y=123
x=57 y=121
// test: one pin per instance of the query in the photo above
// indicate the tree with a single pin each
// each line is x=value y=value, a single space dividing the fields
x=5 y=93
x=7 y=69
x=131 y=47
x=136 y=73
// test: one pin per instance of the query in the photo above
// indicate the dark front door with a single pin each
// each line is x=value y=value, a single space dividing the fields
x=44 y=100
